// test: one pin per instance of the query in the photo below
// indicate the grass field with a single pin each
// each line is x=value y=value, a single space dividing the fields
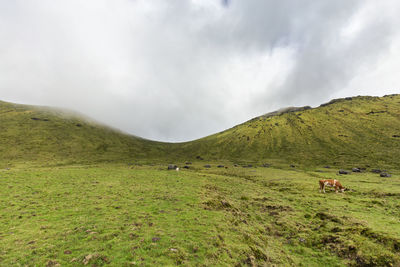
x=127 y=215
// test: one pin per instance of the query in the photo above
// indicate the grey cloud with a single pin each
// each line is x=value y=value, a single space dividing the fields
x=327 y=63
x=179 y=70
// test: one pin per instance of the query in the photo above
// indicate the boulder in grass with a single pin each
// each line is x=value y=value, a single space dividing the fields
x=220 y=166
x=207 y=166
x=186 y=167
x=376 y=171
x=384 y=174
x=172 y=167
x=266 y=165
x=343 y=172
x=356 y=170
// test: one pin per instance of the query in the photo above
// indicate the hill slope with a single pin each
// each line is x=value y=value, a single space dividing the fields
x=39 y=134
x=357 y=131
x=360 y=130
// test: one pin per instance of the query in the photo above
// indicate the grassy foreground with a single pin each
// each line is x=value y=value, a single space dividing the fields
x=124 y=215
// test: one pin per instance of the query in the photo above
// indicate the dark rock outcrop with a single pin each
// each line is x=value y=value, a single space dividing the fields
x=375 y=112
x=172 y=167
x=39 y=119
x=284 y=110
x=333 y=101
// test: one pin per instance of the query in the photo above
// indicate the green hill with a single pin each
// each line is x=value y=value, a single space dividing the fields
x=41 y=134
x=356 y=131
x=360 y=131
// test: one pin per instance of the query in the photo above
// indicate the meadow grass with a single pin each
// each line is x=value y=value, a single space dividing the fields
x=127 y=215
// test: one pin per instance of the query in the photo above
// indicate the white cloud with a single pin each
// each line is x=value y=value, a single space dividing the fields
x=178 y=70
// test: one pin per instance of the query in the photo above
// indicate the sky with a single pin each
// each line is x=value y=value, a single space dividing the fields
x=179 y=70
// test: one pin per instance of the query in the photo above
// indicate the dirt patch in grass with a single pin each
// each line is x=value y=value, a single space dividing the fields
x=325 y=216
x=218 y=204
x=390 y=242
x=350 y=240
x=378 y=194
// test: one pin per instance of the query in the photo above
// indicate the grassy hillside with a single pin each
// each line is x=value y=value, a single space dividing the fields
x=39 y=134
x=357 y=131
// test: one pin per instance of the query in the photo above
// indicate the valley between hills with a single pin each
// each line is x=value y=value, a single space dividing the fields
x=78 y=193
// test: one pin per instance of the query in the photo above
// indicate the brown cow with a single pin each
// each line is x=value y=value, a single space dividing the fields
x=331 y=183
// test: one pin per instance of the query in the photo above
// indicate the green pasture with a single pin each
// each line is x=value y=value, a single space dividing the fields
x=131 y=215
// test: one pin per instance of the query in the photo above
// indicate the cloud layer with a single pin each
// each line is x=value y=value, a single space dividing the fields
x=179 y=70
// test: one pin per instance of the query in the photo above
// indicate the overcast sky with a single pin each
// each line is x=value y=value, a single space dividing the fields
x=178 y=70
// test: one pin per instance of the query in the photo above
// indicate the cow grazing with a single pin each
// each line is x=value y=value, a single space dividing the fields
x=332 y=183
